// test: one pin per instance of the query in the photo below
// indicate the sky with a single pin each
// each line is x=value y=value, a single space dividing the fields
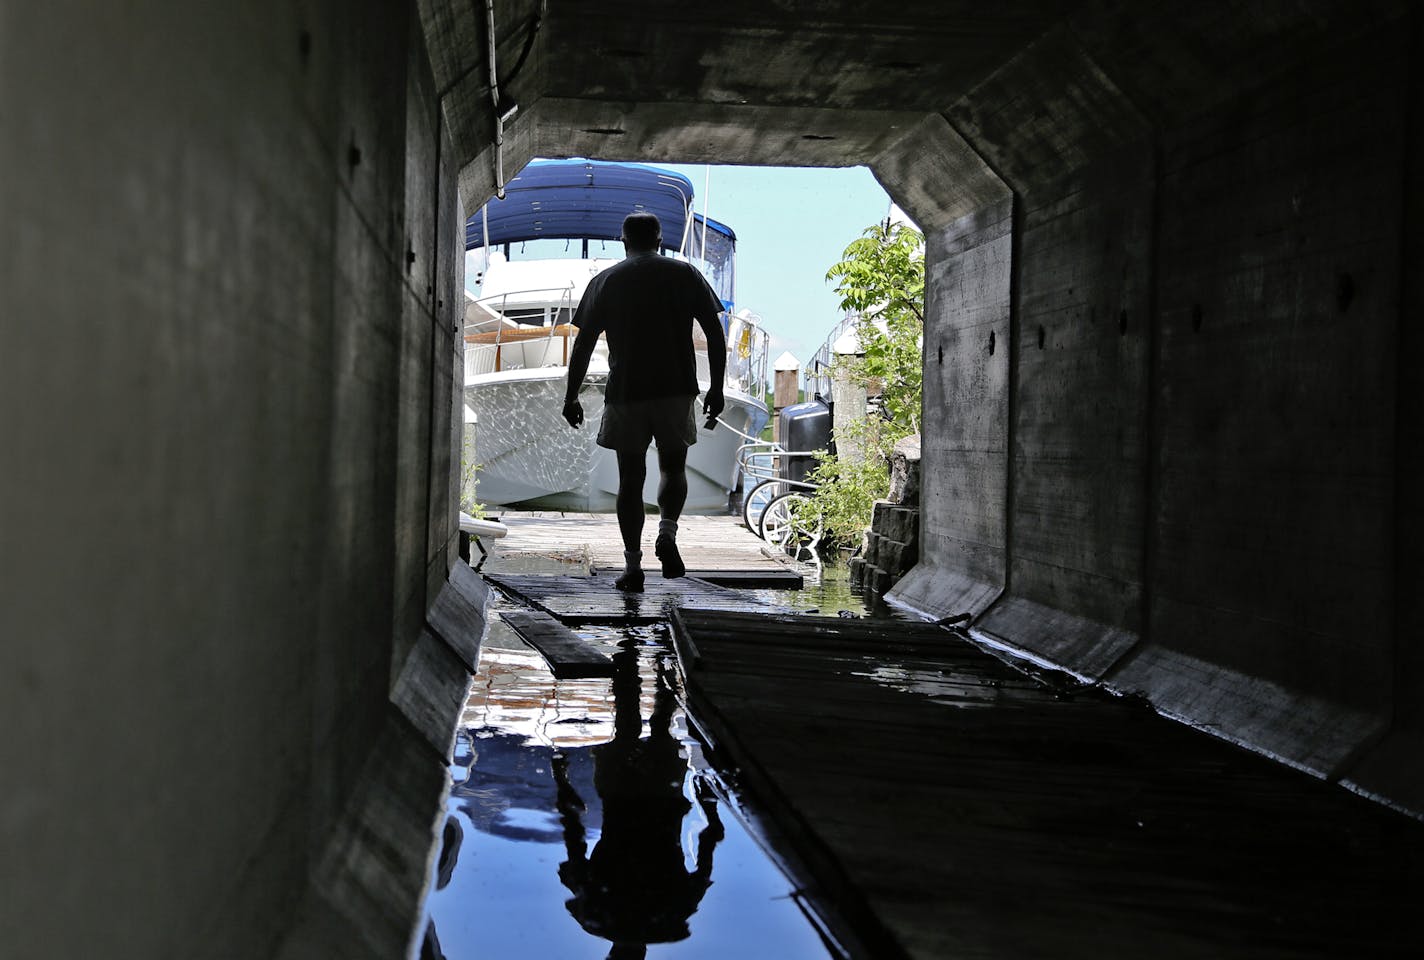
x=792 y=224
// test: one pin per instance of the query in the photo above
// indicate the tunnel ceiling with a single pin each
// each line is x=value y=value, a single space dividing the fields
x=820 y=84
x=840 y=55
x=1034 y=85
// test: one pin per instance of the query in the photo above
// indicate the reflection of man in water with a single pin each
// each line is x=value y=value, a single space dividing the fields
x=646 y=304
x=635 y=890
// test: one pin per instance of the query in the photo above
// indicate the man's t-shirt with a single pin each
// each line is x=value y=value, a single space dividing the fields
x=646 y=304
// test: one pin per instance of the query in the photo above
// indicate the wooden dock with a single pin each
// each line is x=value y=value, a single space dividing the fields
x=594 y=600
x=943 y=804
x=718 y=549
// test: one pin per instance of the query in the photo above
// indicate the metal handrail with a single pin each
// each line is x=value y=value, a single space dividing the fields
x=753 y=382
x=760 y=464
x=565 y=302
x=519 y=333
x=813 y=377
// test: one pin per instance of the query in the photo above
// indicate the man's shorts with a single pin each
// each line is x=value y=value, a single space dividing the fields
x=671 y=421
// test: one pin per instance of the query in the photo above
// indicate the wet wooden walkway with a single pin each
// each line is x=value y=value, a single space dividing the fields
x=945 y=805
x=594 y=600
x=715 y=548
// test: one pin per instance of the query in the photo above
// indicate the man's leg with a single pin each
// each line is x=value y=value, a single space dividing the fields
x=672 y=494
x=632 y=471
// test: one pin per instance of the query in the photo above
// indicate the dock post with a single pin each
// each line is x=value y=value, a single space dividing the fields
x=785 y=391
x=848 y=397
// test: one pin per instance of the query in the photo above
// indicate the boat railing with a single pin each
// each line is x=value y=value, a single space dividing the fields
x=768 y=460
x=496 y=341
x=487 y=337
x=748 y=347
x=817 y=373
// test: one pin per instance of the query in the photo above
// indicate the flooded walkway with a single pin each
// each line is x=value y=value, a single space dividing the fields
x=584 y=820
x=941 y=803
x=791 y=785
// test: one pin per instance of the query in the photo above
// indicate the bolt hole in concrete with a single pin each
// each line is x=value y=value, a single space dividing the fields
x=586 y=821
x=1344 y=291
x=991 y=343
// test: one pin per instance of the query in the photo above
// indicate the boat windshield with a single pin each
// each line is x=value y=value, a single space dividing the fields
x=712 y=248
x=713 y=251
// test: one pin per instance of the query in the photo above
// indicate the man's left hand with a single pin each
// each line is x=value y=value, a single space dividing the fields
x=573 y=413
x=712 y=407
x=714 y=404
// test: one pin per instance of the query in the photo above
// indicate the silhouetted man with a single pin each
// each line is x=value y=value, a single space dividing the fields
x=646 y=305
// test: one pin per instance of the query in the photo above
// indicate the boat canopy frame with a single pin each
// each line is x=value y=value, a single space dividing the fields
x=588 y=199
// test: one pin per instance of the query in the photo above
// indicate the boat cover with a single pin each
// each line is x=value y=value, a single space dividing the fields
x=588 y=199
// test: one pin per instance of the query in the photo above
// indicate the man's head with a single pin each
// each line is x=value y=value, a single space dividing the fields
x=642 y=232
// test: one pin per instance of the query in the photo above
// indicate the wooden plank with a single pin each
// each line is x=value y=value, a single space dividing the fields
x=594 y=600
x=569 y=656
x=961 y=809
x=761 y=579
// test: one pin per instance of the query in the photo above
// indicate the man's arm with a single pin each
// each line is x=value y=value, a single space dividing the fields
x=709 y=316
x=579 y=357
x=585 y=318
x=574 y=870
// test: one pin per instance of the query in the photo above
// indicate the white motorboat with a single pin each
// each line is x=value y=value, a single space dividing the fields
x=518 y=335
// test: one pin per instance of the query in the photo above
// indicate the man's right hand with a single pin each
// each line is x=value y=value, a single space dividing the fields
x=573 y=413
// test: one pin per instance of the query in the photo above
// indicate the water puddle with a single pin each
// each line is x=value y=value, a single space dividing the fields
x=584 y=822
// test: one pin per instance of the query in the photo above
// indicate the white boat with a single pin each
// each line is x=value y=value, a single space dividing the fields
x=518 y=335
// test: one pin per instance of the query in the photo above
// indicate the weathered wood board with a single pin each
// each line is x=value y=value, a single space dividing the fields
x=759 y=579
x=948 y=805
x=569 y=656
x=595 y=599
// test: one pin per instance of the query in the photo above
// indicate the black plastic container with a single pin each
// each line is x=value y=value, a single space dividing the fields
x=804 y=426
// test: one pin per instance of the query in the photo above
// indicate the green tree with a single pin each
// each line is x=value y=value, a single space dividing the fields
x=881 y=279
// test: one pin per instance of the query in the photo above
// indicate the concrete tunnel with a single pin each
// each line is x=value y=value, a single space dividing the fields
x=1171 y=405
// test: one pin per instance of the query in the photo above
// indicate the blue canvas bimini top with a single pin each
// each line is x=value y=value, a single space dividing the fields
x=588 y=199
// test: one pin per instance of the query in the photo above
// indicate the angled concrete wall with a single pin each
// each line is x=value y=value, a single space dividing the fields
x=1278 y=298
x=226 y=477
x=1208 y=492
x=966 y=212
x=1076 y=153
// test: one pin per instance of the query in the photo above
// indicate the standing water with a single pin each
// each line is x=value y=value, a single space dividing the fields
x=584 y=821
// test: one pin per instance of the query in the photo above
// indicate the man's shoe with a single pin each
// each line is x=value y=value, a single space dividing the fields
x=631 y=581
x=666 y=550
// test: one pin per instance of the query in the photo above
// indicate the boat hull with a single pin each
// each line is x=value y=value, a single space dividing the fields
x=529 y=458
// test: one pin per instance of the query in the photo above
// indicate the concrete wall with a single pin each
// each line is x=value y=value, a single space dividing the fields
x=229 y=279
x=1208 y=494
x=966 y=212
